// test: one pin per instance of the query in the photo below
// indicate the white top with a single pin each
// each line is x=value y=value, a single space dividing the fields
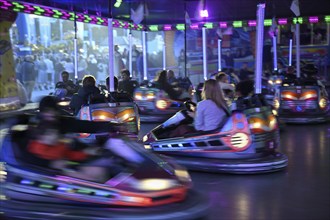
x=208 y=116
x=226 y=86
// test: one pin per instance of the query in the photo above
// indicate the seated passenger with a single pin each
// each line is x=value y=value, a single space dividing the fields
x=171 y=78
x=67 y=84
x=223 y=81
x=309 y=72
x=244 y=89
x=88 y=88
x=116 y=96
x=290 y=75
x=126 y=84
x=162 y=84
x=210 y=112
x=50 y=148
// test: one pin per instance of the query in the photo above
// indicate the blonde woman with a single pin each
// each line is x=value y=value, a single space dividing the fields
x=210 y=112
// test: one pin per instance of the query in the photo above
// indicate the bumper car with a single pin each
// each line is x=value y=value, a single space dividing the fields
x=116 y=108
x=245 y=144
x=155 y=105
x=269 y=87
x=302 y=101
x=145 y=188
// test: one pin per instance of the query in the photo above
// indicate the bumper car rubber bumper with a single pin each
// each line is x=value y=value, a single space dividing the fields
x=193 y=207
x=270 y=163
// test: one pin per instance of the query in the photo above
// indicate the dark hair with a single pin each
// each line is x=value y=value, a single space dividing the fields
x=64 y=73
x=89 y=80
x=48 y=102
x=126 y=72
x=220 y=76
x=245 y=87
x=161 y=77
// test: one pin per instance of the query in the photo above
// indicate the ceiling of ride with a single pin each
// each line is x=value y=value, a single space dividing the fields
x=173 y=11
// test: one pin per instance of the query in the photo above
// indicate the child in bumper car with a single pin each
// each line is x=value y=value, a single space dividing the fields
x=49 y=147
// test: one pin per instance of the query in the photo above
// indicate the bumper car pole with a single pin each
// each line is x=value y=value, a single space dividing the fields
x=259 y=43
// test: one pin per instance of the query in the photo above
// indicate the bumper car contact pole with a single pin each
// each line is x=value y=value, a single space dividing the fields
x=204 y=53
x=75 y=42
x=111 y=53
x=297 y=49
x=144 y=51
x=164 y=56
x=219 y=54
x=259 y=43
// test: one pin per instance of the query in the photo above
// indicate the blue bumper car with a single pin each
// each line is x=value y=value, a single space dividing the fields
x=117 y=109
x=246 y=143
x=155 y=105
x=302 y=101
x=145 y=188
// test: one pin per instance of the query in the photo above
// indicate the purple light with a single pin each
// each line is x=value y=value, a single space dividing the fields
x=167 y=27
x=313 y=19
x=5 y=4
x=223 y=24
x=282 y=21
x=204 y=13
x=252 y=23
x=194 y=26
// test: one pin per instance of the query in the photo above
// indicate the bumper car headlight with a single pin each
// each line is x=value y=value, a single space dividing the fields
x=138 y=96
x=240 y=141
x=278 y=82
x=274 y=112
x=64 y=103
x=151 y=96
x=270 y=82
x=276 y=104
x=154 y=184
x=161 y=104
x=323 y=103
x=147 y=147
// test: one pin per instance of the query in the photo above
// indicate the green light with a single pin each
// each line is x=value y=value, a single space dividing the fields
x=39 y=9
x=85 y=191
x=208 y=25
x=117 y=4
x=180 y=27
x=238 y=24
x=327 y=18
x=268 y=22
x=18 y=5
x=57 y=12
x=298 y=20
x=46 y=186
x=153 y=27
x=87 y=18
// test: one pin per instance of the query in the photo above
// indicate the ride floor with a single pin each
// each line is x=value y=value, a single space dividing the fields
x=301 y=192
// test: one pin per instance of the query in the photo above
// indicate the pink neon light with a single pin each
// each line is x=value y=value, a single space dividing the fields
x=282 y=21
x=313 y=19
x=223 y=24
x=167 y=27
x=194 y=26
x=252 y=23
x=5 y=5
